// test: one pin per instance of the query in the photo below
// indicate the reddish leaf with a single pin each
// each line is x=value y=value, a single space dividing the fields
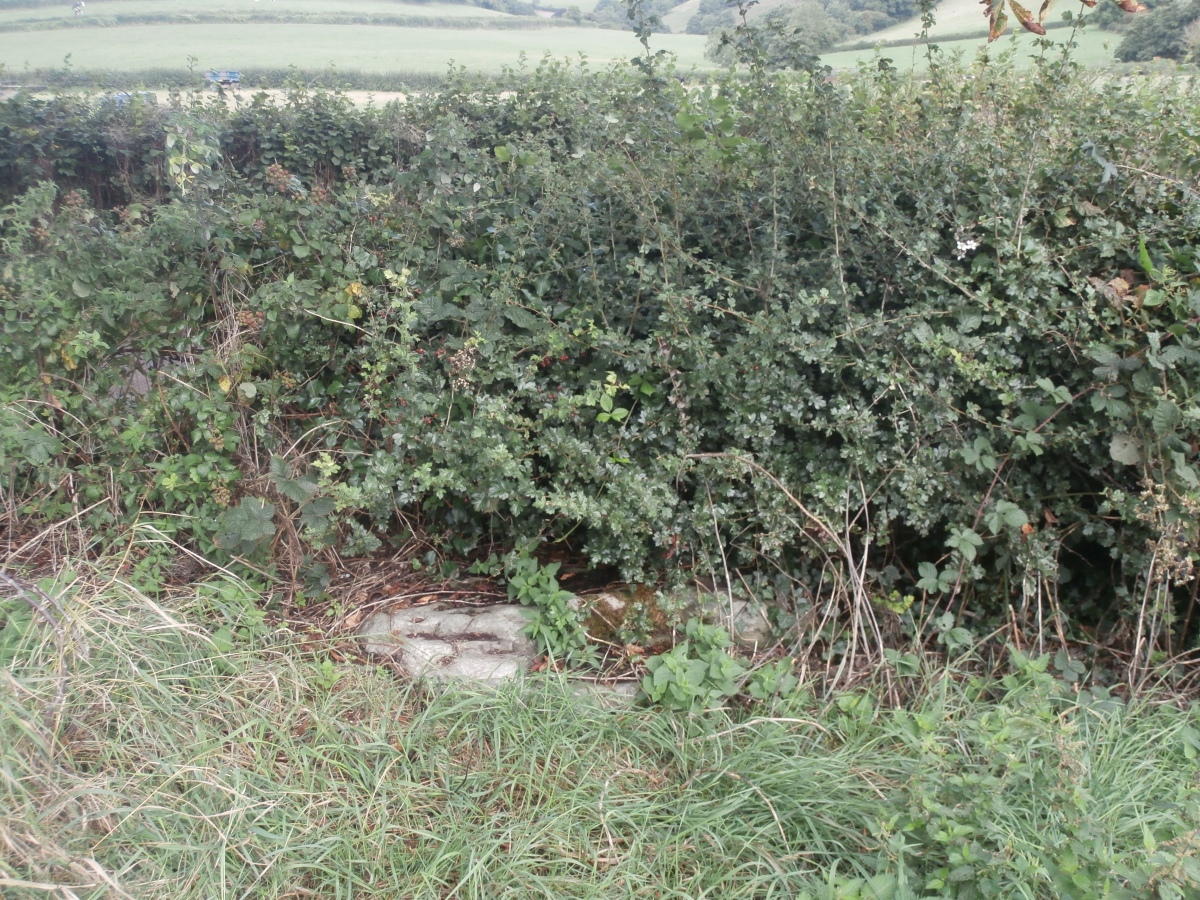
x=999 y=23
x=1131 y=6
x=997 y=20
x=1025 y=17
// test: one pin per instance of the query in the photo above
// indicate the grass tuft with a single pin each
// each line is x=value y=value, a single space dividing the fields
x=172 y=768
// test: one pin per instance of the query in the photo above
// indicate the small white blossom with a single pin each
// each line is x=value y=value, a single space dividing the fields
x=964 y=246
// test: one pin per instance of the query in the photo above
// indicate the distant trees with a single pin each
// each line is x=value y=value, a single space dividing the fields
x=613 y=12
x=713 y=14
x=1160 y=32
x=789 y=37
x=813 y=25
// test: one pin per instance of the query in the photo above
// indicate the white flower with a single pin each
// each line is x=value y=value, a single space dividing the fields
x=964 y=246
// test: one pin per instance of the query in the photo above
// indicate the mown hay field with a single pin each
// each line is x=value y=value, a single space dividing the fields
x=102 y=9
x=360 y=47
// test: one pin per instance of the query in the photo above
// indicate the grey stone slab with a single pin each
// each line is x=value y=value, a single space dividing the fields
x=448 y=624
x=482 y=644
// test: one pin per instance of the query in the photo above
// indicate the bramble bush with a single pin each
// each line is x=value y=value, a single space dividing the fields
x=873 y=337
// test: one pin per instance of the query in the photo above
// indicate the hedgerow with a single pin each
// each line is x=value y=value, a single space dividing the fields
x=191 y=79
x=868 y=340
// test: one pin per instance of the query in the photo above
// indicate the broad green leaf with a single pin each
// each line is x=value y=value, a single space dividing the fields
x=1166 y=417
x=1124 y=449
x=965 y=541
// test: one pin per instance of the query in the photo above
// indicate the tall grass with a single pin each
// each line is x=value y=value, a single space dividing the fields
x=145 y=754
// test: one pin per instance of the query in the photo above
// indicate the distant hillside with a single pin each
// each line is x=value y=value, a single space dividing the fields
x=954 y=17
x=677 y=19
x=855 y=19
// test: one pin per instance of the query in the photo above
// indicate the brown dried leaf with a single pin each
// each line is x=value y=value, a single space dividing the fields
x=1045 y=9
x=994 y=10
x=999 y=21
x=1107 y=291
x=1025 y=17
x=1131 y=6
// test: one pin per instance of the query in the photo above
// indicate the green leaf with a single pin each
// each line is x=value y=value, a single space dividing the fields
x=1006 y=514
x=1124 y=449
x=1191 y=742
x=965 y=541
x=38 y=446
x=1166 y=417
x=1154 y=297
x=244 y=527
x=81 y=290
x=931 y=581
x=503 y=154
x=1144 y=260
x=1184 y=470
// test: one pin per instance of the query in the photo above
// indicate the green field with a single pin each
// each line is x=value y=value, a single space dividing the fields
x=1095 y=48
x=103 y=8
x=357 y=47
x=375 y=48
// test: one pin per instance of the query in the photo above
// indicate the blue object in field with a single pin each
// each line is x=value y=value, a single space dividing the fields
x=224 y=77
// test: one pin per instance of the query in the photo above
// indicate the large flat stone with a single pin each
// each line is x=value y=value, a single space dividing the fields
x=479 y=643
